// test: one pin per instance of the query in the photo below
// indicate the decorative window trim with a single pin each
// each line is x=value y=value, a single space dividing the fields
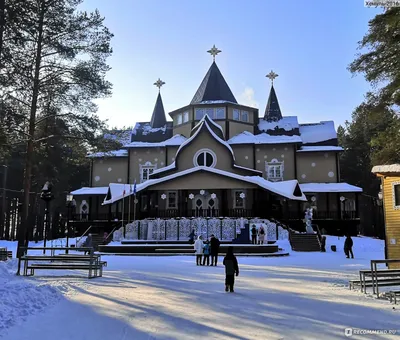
x=175 y=206
x=185 y=116
x=243 y=199
x=148 y=166
x=395 y=207
x=213 y=154
x=274 y=163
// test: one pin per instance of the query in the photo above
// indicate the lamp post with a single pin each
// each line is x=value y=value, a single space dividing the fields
x=342 y=199
x=46 y=195
x=69 y=200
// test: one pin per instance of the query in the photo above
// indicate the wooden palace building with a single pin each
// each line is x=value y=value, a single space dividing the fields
x=219 y=158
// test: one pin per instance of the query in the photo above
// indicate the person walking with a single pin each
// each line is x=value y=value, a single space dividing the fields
x=198 y=247
x=214 y=250
x=206 y=253
x=88 y=243
x=191 y=237
x=261 y=235
x=231 y=268
x=348 y=247
x=254 y=234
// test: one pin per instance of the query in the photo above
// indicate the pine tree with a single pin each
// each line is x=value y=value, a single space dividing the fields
x=57 y=73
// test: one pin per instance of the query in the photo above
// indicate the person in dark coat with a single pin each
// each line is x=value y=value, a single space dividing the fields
x=323 y=244
x=214 y=249
x=206 y=257
x=191 y=237
x=231 y=268
x=254 y=235
x=348 y=247
x=88 y=243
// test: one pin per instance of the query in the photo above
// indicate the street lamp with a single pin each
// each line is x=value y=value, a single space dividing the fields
x=342 y=199
x=380 y=195
x=46 y=195
x=69 y=199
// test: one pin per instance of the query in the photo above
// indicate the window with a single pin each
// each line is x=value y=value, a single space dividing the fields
x=146 y=170
x=172 y=200
x=240 y=115
x=396 y=195
x=274 y=170
x=213 y=113
x=179 y=119
x=219 y=113
x=236 y=114
x=199 y=114
x=186 y=116
x=205 y=157
x=238 y=199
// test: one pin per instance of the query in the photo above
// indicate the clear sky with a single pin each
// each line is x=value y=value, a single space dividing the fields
x=309 y=43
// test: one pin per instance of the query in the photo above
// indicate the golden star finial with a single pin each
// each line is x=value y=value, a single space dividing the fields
x=159 y=83
x=272 y=75
x=214 y=51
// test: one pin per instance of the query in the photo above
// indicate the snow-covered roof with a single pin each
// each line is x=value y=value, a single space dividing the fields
x=216 y=102
x=318 y=132
x=121 y=136
x=329 y=187
x=90 y=191
x=262 y=138
x=114 y=153
x=204 y=121
x=173 y=141
x=395 y=168
x=284 y=188
x=320 y=148
x=288 y=123
x=147 y=129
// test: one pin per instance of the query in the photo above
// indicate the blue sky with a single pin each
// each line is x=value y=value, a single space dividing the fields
x=309 y=43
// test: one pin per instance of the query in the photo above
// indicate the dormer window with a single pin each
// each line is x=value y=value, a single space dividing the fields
x=274 y=170
x=205 y=157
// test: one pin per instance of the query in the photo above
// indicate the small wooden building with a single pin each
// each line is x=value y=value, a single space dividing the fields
x=390 y=177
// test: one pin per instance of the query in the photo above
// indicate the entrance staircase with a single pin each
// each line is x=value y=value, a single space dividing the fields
x=304 y=242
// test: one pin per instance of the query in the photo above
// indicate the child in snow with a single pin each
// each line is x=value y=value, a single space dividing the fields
x=231 y=268
x=261 y=235
x=198 y=247
x=206 y=257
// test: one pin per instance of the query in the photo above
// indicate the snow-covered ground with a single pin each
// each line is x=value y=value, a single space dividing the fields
x=301 y=296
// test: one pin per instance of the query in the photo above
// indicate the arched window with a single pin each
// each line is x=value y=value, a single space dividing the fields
x=205 y=157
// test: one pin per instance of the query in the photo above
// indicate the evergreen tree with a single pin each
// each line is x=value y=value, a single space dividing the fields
x=57 y=73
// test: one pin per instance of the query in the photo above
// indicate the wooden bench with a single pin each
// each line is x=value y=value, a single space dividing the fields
x=376 y=274
x=91 y=262
x=5 y=254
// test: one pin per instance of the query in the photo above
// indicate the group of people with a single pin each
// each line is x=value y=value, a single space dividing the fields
x=204 y=250
x=260 y=233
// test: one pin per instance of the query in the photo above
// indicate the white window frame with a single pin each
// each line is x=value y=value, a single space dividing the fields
x=243 y=199
x=394 y=184
x=274 y=164
x=179 y=119
x=203 y=151
x=146 y=166
x=185 y=116
x=219 y=110
x=175 y=206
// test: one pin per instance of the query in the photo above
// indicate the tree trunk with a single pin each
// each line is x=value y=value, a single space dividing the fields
x=2 y=25
x=22 y=242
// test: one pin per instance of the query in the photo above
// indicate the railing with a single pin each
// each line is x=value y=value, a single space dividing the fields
x=80 y=238
x=323 y=215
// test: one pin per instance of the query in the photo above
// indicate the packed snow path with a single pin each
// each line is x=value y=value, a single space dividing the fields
x=303 y=296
